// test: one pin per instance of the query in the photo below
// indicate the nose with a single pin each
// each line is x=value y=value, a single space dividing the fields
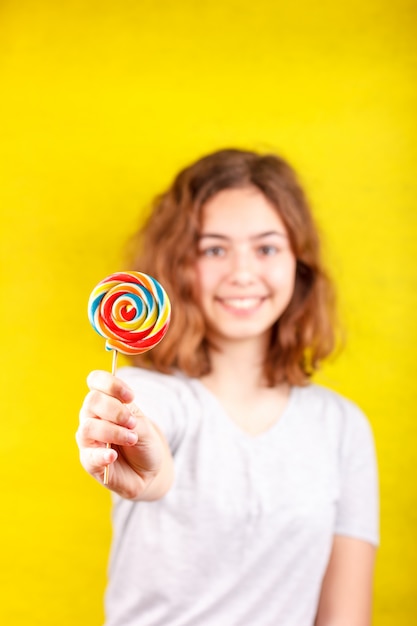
x=242 y=269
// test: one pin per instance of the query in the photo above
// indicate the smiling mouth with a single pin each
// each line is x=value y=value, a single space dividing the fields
x=241 y=304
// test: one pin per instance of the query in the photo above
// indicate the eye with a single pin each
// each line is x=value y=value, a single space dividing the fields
x=213 y=251
x=267 y=250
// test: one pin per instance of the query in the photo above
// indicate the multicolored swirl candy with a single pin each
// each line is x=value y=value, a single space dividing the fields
x=131 y=310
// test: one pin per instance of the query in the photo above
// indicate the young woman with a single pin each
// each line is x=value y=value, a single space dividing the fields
x=244 y=494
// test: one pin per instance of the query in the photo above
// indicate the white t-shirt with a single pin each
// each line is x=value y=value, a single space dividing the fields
x=244 y=535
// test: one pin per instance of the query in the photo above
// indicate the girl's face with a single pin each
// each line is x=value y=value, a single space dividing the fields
x=245 y=267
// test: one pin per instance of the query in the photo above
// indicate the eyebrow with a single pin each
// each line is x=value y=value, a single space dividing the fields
x=268 y=233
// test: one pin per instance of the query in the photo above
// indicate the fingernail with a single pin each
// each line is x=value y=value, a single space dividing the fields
x=108 y=456
x=126 y=394
x=132 y=438
x=132 y=421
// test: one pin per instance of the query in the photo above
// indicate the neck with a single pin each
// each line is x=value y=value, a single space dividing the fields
x=237 y=365
x=238 y=382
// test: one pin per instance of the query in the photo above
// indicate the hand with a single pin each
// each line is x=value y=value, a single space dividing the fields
x=140 y=462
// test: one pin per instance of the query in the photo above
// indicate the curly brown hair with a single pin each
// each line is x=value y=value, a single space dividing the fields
x=166 y=248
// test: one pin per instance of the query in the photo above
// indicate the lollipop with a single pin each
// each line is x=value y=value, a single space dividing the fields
x=132 y=311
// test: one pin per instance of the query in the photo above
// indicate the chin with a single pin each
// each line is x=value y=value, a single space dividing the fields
x=234 y=333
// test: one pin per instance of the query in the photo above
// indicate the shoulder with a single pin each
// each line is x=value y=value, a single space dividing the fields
x=333 y=411
x=153 y=380
x=322 y=399
x=175 y=390
x=167 y=399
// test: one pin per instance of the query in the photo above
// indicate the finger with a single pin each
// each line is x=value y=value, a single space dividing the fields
x=143 y=427
x=94 y=460
x=107 y=408
x=110 y=385
x=95 y=433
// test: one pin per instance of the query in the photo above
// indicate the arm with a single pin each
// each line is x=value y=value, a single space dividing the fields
x=346 y=594
x=141 y=464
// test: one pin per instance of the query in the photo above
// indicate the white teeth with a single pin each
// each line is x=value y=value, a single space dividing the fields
x=242 y=303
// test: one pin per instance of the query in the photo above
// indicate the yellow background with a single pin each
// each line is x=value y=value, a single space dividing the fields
x=101 y=103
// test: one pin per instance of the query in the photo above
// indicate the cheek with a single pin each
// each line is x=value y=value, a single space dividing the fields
x=207 y=277
x=283 y=276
